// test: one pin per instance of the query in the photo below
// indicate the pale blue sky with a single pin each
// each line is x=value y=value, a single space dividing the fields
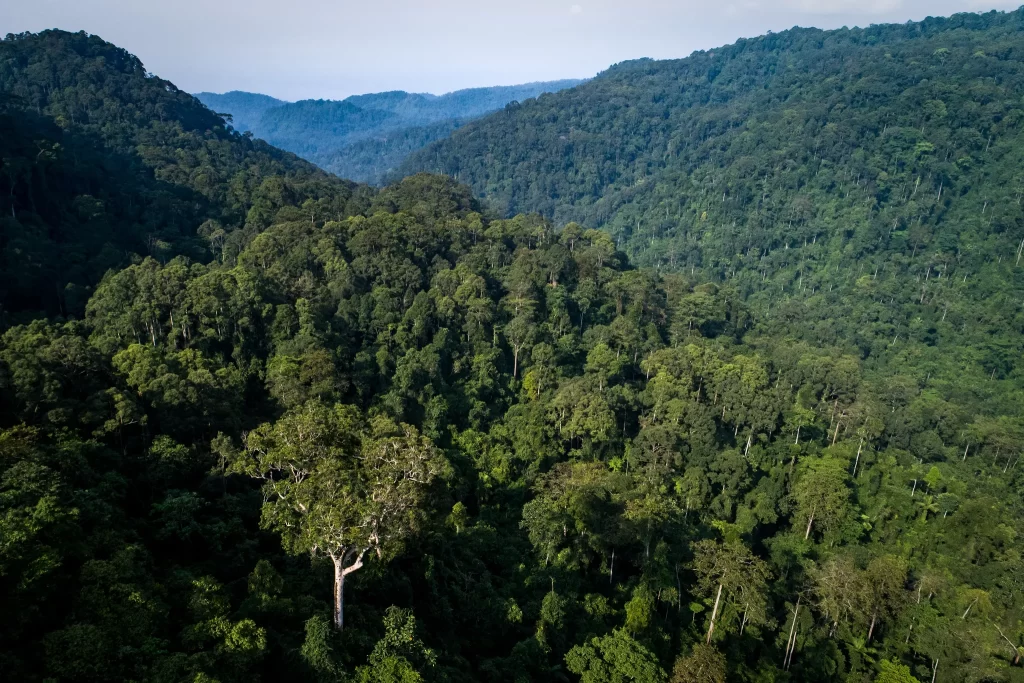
x=333 y=48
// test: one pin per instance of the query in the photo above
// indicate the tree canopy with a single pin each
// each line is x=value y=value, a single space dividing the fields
x=518 y=455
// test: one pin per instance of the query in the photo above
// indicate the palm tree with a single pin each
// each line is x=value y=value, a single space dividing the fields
x=927 y=504
x=862 y=655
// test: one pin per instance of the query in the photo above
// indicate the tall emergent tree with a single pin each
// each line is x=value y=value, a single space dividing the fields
x=730 y=571
x=338 y=486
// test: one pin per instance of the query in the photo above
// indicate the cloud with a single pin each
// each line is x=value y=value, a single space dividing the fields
x=576 y=9
x=845 y=6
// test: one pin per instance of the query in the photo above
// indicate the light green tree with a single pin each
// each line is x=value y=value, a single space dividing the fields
x=894 y=672
x=337 y=486
x=614 y=658
x=821 y=494
x=731 y=576
x=704 y=665
x=400 y=655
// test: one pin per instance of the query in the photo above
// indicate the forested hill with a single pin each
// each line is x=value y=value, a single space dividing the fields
x=379 y=436
x=366 y=137
x=755 y=146
x=859 y=187
x=102 y=163
x=525 y=460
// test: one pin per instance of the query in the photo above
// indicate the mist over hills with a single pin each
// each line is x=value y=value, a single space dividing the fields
x=244 y=108
x=366 y=137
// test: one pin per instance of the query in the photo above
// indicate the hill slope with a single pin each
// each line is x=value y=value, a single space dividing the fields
x=100 y=161
x=778 y=113
x=324 y=130
x=793 y=165
x=377 y=159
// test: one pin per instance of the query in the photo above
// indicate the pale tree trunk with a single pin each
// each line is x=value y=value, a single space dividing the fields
x=791 y=643
x=871 y=629
x=810 y=521
x=1013 y=648
x=339 y=595
x=714 y=615
x=340 y=572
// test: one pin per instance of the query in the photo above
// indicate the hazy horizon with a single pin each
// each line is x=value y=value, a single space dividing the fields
x=324 y=49
x=375 y=92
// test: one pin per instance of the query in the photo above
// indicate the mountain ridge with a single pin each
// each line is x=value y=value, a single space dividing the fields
x=631 y=78
x=320 y=130
x=245 y=107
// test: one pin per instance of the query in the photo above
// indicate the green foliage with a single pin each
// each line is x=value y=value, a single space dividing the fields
x=614 y=658
x=704 y=665
x=851 y=187
x=243 y=108
x=399 y=655
x=732 y=582
x=893 y=672
x=822 y=494
x=376 y=159
x=562 y=465
x=339 y=487
x=317 y=651
x=102 y=163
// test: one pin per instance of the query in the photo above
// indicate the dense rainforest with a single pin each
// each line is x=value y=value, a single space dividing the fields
x=783 y=163
x=387 y=435
x=367 y=137
x=100 y=160
x=375 y=160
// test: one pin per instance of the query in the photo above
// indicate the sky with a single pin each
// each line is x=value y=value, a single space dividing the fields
x=301 y=49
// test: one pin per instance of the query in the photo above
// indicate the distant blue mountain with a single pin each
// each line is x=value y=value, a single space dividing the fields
x=245 y=108
x=365 y=137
